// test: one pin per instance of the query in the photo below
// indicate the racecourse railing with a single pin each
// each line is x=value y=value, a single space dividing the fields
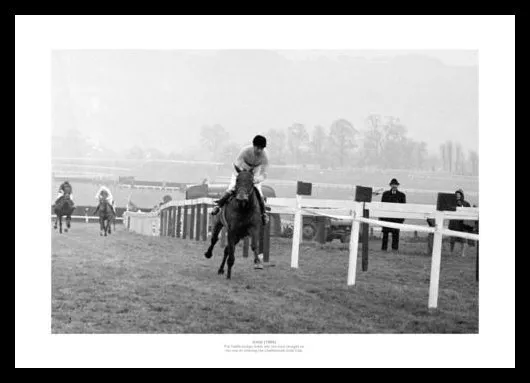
x=191 y=218
x=187 y=219
x=88 y=218
x=354 y=211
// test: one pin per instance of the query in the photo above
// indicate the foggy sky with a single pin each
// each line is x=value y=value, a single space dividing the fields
x=163 y=98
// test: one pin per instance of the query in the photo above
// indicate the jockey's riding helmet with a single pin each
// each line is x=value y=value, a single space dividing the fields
x=259 y=141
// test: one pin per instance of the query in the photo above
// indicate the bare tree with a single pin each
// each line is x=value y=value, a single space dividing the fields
x=421 y=154
x=449 y=153
x=228 y=152
x=213 y=138
x=297 y=136
x=444 y=156
x=374 y=139
x=276 y=145
x=395 y=143
x=459 y=158
x=318 y=142
x=342 y=135
x=473 y=159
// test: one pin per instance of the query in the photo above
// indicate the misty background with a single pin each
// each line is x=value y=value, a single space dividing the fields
x=334 y=109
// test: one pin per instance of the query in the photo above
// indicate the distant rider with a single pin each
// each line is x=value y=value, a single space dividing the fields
x=104 y=193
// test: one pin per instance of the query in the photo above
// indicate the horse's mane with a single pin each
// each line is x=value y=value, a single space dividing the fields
x=245 y=178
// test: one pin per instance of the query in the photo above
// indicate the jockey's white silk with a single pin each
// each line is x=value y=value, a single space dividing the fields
x=248 y=160
x=61 y=193
x=110 y=198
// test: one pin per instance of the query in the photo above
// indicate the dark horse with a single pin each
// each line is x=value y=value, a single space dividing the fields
x=63 y=207
x=242 y=217
x=106 y=216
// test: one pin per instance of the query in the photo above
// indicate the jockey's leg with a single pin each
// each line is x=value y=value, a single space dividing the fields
x=228 y=193
x=111 y=202
x=59 y=196
x=264 y=216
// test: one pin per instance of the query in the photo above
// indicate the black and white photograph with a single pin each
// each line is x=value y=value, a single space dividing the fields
x=266 y=198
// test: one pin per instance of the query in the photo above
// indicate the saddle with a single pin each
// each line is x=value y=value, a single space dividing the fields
x=63 y=200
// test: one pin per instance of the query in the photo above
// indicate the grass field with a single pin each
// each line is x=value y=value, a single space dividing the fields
x=127 y=283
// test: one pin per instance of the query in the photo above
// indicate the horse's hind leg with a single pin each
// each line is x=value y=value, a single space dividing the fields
x=225 y=257
x=230 y=261
x=55 y=224
x=215 y=237
x=231 y=257
x=60 y=225
x=254 y=245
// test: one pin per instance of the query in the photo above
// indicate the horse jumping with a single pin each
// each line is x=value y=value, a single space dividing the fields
x=241 y=216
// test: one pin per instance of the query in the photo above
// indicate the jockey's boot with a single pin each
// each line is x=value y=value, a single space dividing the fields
x=221 y=202
x=264 y=216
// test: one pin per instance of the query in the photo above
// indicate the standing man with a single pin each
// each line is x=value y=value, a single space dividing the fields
x=393 y=196
x=253 y=158
x=459 y=225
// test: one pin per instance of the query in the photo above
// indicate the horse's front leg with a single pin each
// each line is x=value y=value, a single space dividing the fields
x=221 y=270
x=60 y=224
x=215 y=237
x=56 y=221
x=101 y=226
x=231 y=256
x=254 y=245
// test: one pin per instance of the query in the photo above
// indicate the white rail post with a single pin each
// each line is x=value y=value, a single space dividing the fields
x=296 y=232
x=354 y=243
x=436 y=260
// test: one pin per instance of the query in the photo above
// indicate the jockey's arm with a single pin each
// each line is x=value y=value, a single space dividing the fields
x=260 y=174
x=240 y=159
x=98 y=192
x=261 y=171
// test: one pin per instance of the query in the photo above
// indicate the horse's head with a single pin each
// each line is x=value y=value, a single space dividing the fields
x=102 y=201
x=103 y=206
x=244 y=185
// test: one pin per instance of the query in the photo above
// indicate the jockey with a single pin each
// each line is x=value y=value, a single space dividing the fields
x=104 y=192
x=253 y=158
x=65 y=186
